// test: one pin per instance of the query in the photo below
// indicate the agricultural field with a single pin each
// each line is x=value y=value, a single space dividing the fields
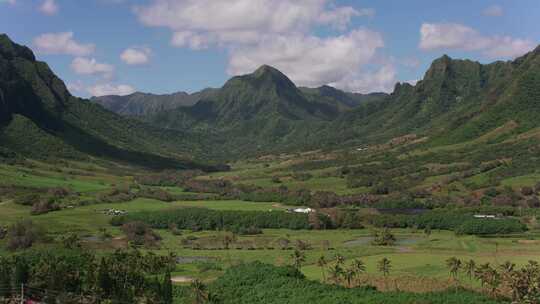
x=82 y=199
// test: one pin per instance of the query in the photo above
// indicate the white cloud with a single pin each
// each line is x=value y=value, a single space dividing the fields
x=435 y=36
x=493 y=11
x=89 y=66
x=76 y=87
x=309 y=60
x=110 y=89
x=382 y=80
x=62 y=43
x=198 y=23
x=49 y=7
x=274 y=32
x=136 y=55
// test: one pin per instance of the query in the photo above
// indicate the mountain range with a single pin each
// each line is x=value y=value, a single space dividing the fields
x=264 y=112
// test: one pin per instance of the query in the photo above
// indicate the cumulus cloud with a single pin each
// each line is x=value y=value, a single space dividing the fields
x=89 y=66
x=309 y=60
x=381 y=80
x=76 y=87
x=62 y=43
x=274 y=32
x=241 y=21
x=136 y=55
x=434 y=36
x=49 y=7
x=110 y=89
x=493 y=11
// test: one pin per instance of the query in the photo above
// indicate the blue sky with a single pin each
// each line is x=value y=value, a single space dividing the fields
x=161 y=46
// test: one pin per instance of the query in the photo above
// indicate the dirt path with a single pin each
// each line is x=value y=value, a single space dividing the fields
x=404 y=249
x=181 y=279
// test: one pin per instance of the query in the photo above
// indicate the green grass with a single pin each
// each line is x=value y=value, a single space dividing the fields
x=520 y=181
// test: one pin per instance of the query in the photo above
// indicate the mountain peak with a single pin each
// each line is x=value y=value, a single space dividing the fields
x=266 y=69
x=266 y=72
x=10 y=49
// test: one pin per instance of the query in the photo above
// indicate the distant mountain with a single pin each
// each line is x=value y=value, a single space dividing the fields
x=456 y=101
x=142 y=104
x=258 y=111
x=39 y=118
x=343 y=100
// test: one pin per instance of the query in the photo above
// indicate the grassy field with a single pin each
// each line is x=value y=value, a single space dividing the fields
x=415 y=254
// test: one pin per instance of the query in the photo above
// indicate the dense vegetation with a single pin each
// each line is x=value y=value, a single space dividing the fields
x=69 y=275
x=205 y=219
x=459 y=221
x=262 y=283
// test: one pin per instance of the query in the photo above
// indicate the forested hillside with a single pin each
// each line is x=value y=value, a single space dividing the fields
x=41 y=119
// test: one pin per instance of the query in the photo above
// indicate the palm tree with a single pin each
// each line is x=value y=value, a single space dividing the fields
x=298 y=258
x=469 y=268
x=359 y=266
x=454 y=265
x=335 y=273
x=321 y=262
x=340 y=259
x=349 y=276
x=384 y=267
x=507 y=267
x=480 y=273
x=200 y=294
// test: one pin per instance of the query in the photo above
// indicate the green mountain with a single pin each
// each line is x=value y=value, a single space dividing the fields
x=40 y=118
x=261 y=112
x=456 y=101
x=144 y=104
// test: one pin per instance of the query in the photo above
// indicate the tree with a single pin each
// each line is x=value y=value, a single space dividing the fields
x=104 y=280
x=298 y=258
x=454 y=265
x=359 y=266
x=22 y=271
x=349 y=274
x=321 y=262
x=5 y=278
x=383 y=237
x=469 y=268
x=384 y=266
x=335 y=273
x=23 y=234
x=200 y=294
x=167 y=289
x=339 y=259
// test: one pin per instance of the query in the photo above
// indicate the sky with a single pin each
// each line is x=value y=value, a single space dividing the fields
x=102 y=47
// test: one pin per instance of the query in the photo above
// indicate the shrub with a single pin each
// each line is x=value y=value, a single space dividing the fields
x=23 y=234
x=44 y=206
x=383 y=237
x=527 y=191
x=28 y=199
x=140 y=234
x=157 y=194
